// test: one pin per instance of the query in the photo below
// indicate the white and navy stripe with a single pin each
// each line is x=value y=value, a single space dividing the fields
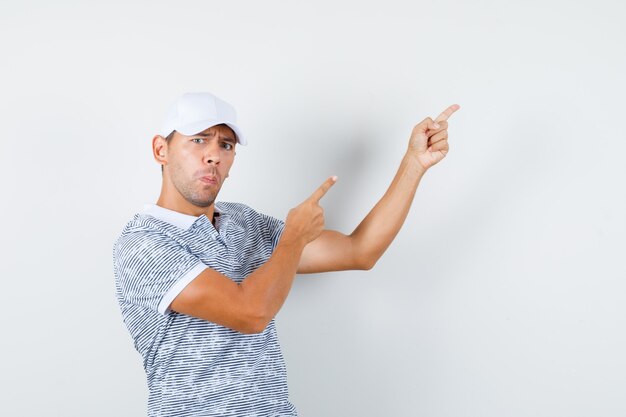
x=195 y=367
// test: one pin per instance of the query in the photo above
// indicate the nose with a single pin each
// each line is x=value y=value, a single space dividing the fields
x=212 y=153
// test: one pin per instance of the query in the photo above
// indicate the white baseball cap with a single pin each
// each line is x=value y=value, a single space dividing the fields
x=194 y=112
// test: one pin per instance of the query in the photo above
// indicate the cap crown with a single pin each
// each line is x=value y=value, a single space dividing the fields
x=194 y=112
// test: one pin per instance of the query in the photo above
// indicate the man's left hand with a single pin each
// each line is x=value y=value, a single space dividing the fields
x=429 y=139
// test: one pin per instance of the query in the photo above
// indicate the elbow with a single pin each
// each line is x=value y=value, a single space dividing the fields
x=363 y=257
x=365 y=263
x=254 y=321
x=254 y=326
x=368 y=265
x=251 y=315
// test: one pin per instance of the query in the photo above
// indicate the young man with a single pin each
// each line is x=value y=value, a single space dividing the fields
x=199 y=282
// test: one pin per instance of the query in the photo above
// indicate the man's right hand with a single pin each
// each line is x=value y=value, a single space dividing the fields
x=250 y=305
x=307 y=219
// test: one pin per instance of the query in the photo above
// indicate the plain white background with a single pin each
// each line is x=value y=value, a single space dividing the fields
x=504 y=293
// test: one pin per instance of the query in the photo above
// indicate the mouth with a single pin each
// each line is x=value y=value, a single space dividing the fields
x=208 y=179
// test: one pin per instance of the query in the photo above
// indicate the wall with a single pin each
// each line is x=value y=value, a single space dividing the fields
x=504 y=293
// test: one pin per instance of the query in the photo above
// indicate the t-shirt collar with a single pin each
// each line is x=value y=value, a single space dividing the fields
x=183 y=221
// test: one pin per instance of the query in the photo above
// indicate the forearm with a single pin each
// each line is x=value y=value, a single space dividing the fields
x=250 y=305
x=334 y=251
x=267 y=288
x=378 y=229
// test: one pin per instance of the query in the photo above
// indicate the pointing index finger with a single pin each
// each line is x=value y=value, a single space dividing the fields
x=447 y=113
x=321 y=191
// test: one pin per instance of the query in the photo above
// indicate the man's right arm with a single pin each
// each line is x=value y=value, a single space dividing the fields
x=249 y=306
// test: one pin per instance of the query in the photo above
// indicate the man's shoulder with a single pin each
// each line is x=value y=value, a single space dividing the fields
x=143 y=223
x=144 y=227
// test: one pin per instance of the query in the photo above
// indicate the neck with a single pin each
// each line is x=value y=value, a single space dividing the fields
x=178 y=203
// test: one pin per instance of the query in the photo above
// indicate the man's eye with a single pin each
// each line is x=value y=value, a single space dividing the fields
x=197 y=140
x=228 y=146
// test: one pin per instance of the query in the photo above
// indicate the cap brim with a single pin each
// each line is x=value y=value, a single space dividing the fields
x=197 y=127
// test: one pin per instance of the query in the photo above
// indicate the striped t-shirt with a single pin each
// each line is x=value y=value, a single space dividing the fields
x=195 y=367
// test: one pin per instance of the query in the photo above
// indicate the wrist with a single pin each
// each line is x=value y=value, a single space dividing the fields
x=413 y=163
x=292 y=237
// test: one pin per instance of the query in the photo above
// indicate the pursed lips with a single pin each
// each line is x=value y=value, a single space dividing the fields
x=209 y=179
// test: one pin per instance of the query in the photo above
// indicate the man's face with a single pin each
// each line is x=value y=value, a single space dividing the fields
x=197 y=165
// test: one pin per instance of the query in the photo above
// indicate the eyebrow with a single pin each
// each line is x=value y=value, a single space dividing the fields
x=228 y=138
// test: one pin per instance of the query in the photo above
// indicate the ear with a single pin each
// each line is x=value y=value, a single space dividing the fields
x=159 y=149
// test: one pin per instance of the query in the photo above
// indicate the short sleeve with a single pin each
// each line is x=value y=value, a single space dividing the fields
x=274 y=228
x=151 y=269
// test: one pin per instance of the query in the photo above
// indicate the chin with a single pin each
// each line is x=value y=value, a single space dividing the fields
x=202 y=200
x=200 y=196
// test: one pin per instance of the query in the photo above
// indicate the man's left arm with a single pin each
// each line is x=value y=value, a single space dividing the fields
x=335 y=251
